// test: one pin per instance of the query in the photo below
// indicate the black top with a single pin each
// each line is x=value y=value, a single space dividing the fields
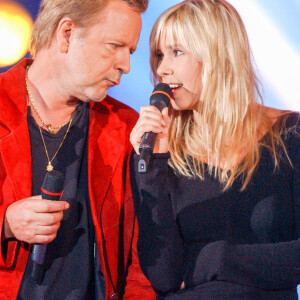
x=69 y=263
x=223 y=245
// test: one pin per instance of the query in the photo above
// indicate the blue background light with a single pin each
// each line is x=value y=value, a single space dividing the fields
x=273 y=28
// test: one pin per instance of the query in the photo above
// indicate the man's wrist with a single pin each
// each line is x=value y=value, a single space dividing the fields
x=6 y=231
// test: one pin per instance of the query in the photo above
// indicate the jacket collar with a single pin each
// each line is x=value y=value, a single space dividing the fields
x=13 y=105
x=105 y=149
x=14 y=135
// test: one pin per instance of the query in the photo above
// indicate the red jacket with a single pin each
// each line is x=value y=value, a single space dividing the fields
x=109 y=188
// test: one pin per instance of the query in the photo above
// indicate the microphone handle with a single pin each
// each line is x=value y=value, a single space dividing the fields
x=148 y=141
x=38 y=258
x=146 y=150
x=53 y=182
x=158 y=104
x=149 y=138
x=147 y=145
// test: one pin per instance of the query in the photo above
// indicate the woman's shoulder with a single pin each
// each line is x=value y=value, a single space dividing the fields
x=286 y=131
x=281 y=127
x=289 y=124
x=283 y=120
x=293 y=120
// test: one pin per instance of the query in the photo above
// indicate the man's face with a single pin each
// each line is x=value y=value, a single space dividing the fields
x=96 y=60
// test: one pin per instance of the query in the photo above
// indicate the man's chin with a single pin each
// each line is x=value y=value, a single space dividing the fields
x=97 y=98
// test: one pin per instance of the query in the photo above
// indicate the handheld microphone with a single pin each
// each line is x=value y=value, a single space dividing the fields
x=159 y=98
x=52 y=189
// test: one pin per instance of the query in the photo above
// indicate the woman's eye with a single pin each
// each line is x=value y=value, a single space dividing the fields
x=178 y=52
x=159 y=56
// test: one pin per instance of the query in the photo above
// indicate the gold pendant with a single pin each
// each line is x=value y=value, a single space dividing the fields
x=49 y=167
x=50 y=128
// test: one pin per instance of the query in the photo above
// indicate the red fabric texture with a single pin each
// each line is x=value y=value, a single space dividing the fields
x=109 y=188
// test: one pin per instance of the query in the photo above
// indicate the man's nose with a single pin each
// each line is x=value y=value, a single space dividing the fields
x=123 y=63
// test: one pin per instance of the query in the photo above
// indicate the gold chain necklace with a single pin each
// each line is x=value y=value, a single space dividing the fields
x=49 y=166
x=32 y=103
x=49 y=126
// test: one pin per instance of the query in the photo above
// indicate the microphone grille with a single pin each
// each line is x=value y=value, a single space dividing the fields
x=161 y=92
x=53 y=182
x=164 y=88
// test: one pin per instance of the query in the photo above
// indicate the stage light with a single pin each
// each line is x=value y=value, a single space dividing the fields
x=15 y=30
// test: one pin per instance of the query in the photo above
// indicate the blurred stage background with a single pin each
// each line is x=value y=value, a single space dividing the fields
x=273 y=27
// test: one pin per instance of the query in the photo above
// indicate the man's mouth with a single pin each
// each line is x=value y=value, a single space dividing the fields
x=114 y=82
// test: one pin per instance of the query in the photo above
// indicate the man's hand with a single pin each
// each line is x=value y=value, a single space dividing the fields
x=34 y=220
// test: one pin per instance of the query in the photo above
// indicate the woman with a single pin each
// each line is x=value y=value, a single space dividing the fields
x=219 y=207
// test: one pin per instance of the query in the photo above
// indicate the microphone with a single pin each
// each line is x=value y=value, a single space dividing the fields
x=52 y=189
x=159 y=98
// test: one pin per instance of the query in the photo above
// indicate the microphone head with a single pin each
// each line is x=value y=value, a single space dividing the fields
x=53 y=185
x=162 y=92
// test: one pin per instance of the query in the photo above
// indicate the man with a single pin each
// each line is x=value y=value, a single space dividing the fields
x=52 y=117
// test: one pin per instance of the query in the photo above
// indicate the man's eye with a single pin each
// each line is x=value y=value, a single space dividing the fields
x=114 y=46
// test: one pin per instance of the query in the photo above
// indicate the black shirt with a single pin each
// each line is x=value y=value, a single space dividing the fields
x=223 y=245
x=69 y=265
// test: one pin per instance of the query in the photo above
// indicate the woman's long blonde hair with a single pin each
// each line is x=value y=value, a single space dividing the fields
x=226 y=138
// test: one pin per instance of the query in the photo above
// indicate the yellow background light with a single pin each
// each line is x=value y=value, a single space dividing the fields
x=15 y=30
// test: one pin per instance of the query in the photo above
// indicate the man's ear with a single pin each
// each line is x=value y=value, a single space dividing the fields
x=64 y=31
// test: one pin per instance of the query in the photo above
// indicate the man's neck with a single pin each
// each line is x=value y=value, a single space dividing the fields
x=49 y=102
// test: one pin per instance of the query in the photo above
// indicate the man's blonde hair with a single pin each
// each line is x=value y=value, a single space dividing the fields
x=213 y=32
x=80 y=11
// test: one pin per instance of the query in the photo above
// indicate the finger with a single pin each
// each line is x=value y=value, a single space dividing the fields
x=137 y=135
x=143 y=126
x=165 y=117
x=48 y=219
x=150 y=125
x=38 y=197
x=44 y=206
x=165 y=112
x=149 y=121
x=43 y=239
x=149 y=108
x=47 y=229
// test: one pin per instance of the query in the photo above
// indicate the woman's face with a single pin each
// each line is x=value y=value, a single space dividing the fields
x=179 y=68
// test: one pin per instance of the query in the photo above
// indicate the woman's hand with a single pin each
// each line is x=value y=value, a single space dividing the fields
x=151 y=119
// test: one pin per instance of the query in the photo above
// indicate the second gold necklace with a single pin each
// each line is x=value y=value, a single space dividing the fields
x=50 y=166
x=49 y=127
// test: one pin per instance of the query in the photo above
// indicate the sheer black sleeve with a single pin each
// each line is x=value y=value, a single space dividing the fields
x=160 y=246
